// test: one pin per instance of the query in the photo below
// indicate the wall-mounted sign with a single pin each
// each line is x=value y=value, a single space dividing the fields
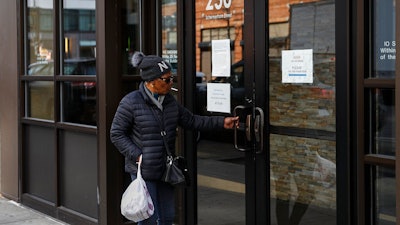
x=219 y=97
x=297 y=66
x=221 y=58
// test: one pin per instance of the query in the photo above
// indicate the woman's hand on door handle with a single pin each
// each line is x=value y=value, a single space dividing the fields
x=231 y=122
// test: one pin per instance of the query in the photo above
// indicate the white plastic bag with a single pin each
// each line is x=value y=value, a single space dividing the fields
x=324 y=171
x=136 y=203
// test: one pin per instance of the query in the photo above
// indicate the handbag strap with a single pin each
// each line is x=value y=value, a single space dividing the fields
x=163 y=132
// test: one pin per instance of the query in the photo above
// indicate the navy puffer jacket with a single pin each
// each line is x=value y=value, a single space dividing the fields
x=136 y=131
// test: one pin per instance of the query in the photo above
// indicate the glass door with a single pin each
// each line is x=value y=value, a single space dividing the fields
x=273 y=64
x=220 y=79
x=302 y=113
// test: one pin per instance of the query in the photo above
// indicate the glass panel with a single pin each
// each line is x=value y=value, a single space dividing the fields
x=40 y=100
x=169 y=32
x=383 y=121
x=221 y=182
x=303 y=170
x=385 y=197
x=39 y=49
x=41 y=68
x=79 y=102
x=79 y=35
x=220 y=168
x=384 y=44
x=305 y=105
x=170 y=54
x=303 y=181
x=310 y=106
x=130 y=34
x=80 y=67
x=169 y=38
x=79 y=97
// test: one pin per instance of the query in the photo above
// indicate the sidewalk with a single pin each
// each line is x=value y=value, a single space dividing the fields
x=13 y=213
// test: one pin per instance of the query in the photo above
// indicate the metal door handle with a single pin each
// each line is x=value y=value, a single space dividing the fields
x=242 y=127
x=259 y=129
x=252 y=129
x=248 y=127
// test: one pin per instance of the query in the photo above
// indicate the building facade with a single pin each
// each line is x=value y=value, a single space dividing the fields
x=313 y=82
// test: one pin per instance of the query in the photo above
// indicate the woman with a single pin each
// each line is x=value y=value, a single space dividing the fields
x=135 y=130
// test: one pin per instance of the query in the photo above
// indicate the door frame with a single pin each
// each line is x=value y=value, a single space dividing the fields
x=257 y=212
x=256 y=55
x=255 y=62
x=345 y=186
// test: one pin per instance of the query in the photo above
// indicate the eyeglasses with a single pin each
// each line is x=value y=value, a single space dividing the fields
x=167 y=79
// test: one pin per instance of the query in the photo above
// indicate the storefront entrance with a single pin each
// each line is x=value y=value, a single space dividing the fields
x=314 y=83
x=279 y=166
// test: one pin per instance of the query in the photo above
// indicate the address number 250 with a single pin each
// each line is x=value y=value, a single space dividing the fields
x=210 y=6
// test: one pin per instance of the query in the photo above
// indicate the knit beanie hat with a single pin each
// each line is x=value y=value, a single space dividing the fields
x=152 y=66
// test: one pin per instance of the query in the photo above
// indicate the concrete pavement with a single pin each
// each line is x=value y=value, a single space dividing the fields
x=13 y=213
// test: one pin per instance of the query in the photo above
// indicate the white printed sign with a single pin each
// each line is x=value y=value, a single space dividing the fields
x=221 y=58
x=297 y=66
x=219 y=97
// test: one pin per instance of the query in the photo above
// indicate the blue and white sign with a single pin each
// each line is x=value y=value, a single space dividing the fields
x=297 y=66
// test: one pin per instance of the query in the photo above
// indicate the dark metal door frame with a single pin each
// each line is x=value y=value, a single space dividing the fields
x=343 y=92
x=255 y=61
x=256 y=165
x=256 y=58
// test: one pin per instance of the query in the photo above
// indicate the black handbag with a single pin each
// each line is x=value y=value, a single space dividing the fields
x=176 y=170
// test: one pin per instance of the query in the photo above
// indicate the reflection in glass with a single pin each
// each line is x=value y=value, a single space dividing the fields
x=385 y=198
x=303 y=180
x=304 y=105
x=169 y=38
x=80 y=66
x=220 y=168
x=303 y=170
x=169 y=34
x=383 y=121
x=384 y=44
x=41 y=100
x=79 y=102
x=169 y=53
x=309 y=106
x=79 y=31
x=39 y=36
x=79 y=58
x=130 y=34
x=42 y=68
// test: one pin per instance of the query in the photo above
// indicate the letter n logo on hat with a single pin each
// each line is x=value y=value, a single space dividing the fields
x=162 y=66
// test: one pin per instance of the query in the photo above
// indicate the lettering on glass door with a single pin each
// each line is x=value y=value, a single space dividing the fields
x=213 y=4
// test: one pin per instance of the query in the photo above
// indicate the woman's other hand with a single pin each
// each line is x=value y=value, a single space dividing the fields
x=139 y=159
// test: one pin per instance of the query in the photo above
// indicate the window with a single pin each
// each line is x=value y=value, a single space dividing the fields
x=76 y=64
x=39 y=61
x=169 y=34
x=130 y=33
x=379 y=111
x=58 y=124
x=218 y=33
